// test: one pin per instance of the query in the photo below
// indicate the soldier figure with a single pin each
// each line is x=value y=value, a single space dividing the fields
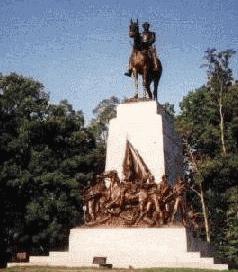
x=164 y=195
x=179 y=190
x=164 y=186
x=148 y=38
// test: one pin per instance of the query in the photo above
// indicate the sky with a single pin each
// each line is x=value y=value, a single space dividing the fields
x=79 y=49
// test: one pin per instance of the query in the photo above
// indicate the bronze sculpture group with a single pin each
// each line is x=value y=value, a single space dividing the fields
x=143 y=60
x=136 y=200
x=136 y=203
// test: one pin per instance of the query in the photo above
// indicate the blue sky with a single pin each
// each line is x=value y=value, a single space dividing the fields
x=79 y=49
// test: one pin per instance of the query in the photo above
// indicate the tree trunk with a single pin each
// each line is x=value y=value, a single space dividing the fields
x=221 y=121
x=201 y=196
x=204 y=211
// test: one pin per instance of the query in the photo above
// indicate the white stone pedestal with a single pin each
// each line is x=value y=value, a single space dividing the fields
x=151 y=131
x=124 y=247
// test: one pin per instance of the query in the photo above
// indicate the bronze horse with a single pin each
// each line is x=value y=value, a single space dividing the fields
x=142 y=64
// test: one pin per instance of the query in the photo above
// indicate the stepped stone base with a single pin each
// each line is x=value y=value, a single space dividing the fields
x=124 y=247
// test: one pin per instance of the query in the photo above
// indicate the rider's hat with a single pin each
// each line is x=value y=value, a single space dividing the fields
x=146 y=25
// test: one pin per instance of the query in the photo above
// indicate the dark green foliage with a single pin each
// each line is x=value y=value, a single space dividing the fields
x=99 y=125
x=231 y=246
x=198 y=121
x=169 y=108
x=46 y=156
x=104 y=112
x=202 y=113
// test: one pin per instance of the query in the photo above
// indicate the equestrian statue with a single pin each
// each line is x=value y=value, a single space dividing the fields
x=143 y=60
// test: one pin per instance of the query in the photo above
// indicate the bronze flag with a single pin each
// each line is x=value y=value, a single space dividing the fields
x=134 y=167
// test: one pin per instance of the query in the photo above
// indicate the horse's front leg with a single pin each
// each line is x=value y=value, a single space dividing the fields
x=135 y=75
x=144 y=79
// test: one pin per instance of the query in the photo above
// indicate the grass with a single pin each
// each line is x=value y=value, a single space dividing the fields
x=87 y=269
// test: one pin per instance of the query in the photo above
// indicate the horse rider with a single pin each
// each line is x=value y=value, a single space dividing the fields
x=148 y=38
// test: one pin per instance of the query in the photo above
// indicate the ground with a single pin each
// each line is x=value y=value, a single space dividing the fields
x=63 y=269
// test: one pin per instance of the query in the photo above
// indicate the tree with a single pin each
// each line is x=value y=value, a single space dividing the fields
x=169 y=108
x=22 y=103
x=47 y=155
x=219 y=79
x=104 y=112
x=208 y=125
x=99 y=125
x=58 y=156
x=189 y=127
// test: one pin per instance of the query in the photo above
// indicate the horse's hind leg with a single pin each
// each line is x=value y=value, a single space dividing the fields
x=157 y=77
x=146 y=85
x=156 y=83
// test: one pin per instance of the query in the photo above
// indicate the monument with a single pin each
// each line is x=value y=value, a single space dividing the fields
x=136 y=213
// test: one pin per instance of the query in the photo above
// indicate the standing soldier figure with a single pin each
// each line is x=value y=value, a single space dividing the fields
x=179 y=190
x=164 y=193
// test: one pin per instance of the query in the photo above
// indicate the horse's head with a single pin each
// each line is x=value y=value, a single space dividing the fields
x=133 y=28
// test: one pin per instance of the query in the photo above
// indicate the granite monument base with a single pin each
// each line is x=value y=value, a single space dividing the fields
x=128 y=247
